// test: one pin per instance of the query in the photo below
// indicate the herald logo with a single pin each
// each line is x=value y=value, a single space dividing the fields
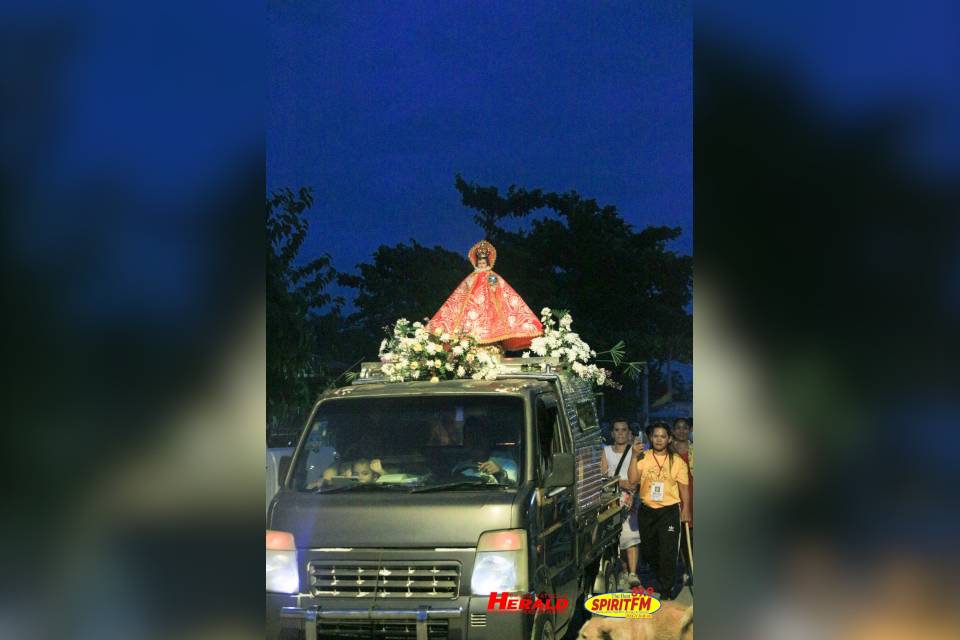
x=525 y=604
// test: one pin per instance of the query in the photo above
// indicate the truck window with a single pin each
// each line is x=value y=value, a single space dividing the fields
x=418 y=441
x=549 y=439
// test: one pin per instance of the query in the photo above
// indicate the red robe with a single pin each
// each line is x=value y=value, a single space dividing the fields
x=488 y=308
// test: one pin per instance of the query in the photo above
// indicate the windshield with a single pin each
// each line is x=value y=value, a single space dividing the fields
x=417 y=443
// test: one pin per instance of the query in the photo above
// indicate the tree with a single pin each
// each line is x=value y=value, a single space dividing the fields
x=404 y=281
x=293 y=291
x=617 y=283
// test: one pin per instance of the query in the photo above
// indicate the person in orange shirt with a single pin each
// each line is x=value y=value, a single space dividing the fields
x=664 y=494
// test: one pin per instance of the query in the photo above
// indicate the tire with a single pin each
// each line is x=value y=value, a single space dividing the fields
x=611 y=575
x=543 y=628
x=606 y=578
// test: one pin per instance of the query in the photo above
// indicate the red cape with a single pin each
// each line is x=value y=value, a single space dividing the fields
x=488 y=308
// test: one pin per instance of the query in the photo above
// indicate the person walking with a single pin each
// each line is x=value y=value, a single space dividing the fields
x=662 y=476
x=616 y=462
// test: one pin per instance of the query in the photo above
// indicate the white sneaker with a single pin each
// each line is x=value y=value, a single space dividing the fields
x=633 y=580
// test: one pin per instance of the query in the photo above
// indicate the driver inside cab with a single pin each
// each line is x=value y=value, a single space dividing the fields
x=482 y=461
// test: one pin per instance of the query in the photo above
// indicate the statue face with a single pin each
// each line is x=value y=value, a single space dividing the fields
x=481 y=263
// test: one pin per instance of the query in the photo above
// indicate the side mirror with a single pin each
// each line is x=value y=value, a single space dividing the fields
x=562 y=473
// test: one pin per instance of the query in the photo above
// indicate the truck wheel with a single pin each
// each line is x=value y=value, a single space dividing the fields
x=543 y=628
x=608 y=577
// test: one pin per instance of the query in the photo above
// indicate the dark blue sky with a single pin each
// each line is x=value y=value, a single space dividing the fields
x=379 y=105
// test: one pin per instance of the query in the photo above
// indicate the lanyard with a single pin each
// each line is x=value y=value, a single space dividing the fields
x=660 y=474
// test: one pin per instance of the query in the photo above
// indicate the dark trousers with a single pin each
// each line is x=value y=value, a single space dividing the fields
x=660 y=543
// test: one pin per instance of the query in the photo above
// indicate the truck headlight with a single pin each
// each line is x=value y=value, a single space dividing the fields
x=282 y=575
x=501 y=564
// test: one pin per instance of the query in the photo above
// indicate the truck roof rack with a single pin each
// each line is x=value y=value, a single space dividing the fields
x=370 y=372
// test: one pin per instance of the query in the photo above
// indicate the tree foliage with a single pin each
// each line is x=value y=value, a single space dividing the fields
x=403 y=281
x=617 y=283
x=293 y=290
x=569 y=253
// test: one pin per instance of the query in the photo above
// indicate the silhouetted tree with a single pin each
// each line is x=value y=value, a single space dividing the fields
x=617 y=283
x=404 y=282
x=292 y=291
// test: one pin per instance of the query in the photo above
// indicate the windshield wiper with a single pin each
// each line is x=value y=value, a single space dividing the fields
x=463 y=484
x=357 y=485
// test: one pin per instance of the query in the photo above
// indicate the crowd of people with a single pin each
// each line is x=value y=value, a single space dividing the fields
x=656 y=480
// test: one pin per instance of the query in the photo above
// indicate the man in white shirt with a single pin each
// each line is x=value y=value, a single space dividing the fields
x=616 y=461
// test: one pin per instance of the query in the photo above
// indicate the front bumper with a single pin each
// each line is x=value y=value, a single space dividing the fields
x=465 y=618
x=306 y=619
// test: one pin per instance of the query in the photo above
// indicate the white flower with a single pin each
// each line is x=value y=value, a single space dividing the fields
x=477 y=376
x=464 y=343
x=491 y=375
x=457 y=350
x=448 y=366
x=437 y=364
x=526 y=354
x=461 y=371
x=566 y=321
x=417 y=347
x=545 y=311
x=431 y=348
x=417 y=325
x=539 y=346
x=445 y=337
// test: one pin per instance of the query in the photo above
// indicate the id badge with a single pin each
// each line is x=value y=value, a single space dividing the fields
x=656 y=491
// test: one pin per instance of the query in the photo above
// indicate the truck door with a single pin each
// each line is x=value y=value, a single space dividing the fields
x=557 y=507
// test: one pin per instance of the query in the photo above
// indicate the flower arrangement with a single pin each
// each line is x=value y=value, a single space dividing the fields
x=560 y=341
x=411 y=351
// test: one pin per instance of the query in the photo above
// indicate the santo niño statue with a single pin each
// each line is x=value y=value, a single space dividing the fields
x=488 y=308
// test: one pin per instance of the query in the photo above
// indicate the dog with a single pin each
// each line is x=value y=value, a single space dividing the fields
x=672 y=622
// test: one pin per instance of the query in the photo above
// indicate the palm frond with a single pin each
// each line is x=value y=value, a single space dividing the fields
x=617 y=353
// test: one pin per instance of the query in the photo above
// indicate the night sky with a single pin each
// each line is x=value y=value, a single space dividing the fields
x=378 y=105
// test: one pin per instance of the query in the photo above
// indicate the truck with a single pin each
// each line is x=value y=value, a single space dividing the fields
x=428 y=510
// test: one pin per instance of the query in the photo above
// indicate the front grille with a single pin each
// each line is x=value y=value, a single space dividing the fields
x=379 y=629
x=389 y=579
